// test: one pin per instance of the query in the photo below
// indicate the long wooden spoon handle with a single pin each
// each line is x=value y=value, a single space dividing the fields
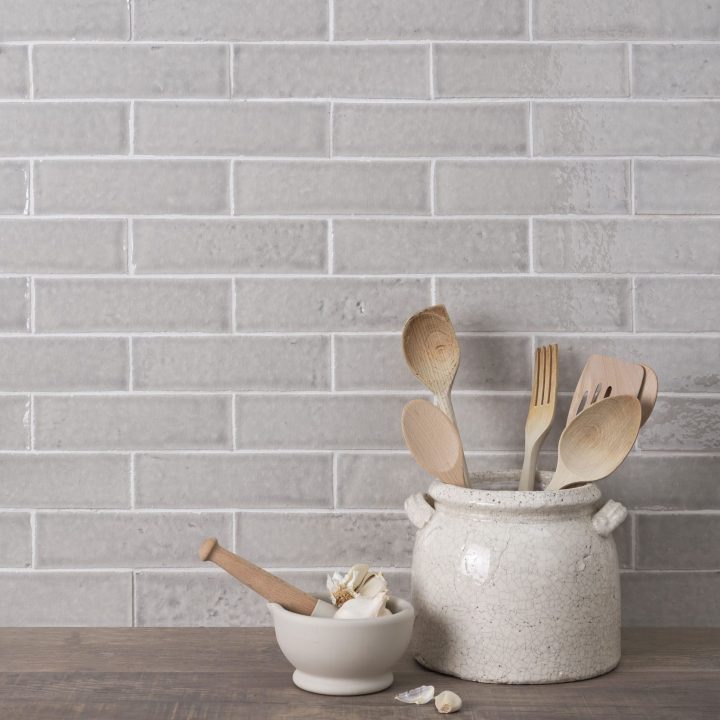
x=270 y=586
x=445 y=405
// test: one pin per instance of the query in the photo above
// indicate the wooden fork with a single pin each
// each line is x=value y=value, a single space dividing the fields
x=542 y=410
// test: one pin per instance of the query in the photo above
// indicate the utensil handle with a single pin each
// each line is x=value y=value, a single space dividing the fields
x=271 y=587
x=527 y=474
x=446 y=406
x=419 y=510
x=609 y=517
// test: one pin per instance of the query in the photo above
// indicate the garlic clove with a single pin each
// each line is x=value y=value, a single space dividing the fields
x=372 y=585
x=362 y=607
x=344 y=587
x=448 y=702
x=417 y=696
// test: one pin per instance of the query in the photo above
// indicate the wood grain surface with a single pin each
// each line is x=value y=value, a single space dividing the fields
x=238 y=673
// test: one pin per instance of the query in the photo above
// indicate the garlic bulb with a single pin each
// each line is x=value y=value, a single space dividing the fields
x=359 y=581
x=448 y=702
x=363 y=607
x=417 y=696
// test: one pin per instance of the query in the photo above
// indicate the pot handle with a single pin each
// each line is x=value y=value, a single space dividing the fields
x=419 y=510
x=608 y=517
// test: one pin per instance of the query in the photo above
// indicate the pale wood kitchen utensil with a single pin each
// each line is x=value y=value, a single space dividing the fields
x=432 y=353
x=539 y=421
x=648 y=393
x=434 y=441
x=271 y=587
x=603 y=377
x=595 y=443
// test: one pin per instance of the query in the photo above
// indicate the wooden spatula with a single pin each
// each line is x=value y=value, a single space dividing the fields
x=603 y=377
x=271 y=587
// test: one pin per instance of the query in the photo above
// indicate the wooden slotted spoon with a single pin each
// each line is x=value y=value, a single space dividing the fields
x=595 y=443
x=434 y=442
x=542 y=410
x=432 y=353
x=604 y=377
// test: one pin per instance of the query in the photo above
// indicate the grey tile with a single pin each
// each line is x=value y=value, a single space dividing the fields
x=376 y=362
x=431 y=19
x=418 y=130
x=63 y=246
x=327 y=304
x=630 y=128
x=494 y=422
x=677 y=187
x=107 y=539
x=132 y=187
x=48 y=128
x=224 y=480
x=537 y=303
x=638 y=245
x=211 y=598
x=221 y=246
x=322 y=539
x=676 y=304
x=15 y=539
x=623 y=537
x=318 y=422
x=64 y=20
x=328 y=70
x=670 y=599
x=66 y=599
x=222 y=128
x=147 y=422
x=676 y=71
x=130 y=71
x=321 y=187
x=530 y=70
x=639 y=19
x=682 y=364
x=14 y=183
x=231 y=363
x=64 y=481
x=135 y=305
x=686 y=424
x=14 y=304
x=63 y=364
x=532 y=187
x=14 y=422
x=378 y=481
x=208 y=598
x=14 y=71
x=678 y=541
x=231 y=20
x=665 y=482
x=435 y=245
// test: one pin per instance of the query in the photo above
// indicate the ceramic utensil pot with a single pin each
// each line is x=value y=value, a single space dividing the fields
x=344 y=657
x=515 y=587
x=432 y=353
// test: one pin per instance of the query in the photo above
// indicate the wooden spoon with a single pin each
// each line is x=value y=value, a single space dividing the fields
x=595 y=443
x=648 y=393
x=432 y=353
x=434 y=442
x=271 y=587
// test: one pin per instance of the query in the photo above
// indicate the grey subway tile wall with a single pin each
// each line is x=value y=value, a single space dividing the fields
x=214 y=219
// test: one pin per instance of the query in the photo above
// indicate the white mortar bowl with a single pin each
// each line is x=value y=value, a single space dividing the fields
x=344 y=657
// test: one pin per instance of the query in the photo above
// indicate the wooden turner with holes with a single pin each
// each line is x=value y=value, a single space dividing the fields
x=604 y=377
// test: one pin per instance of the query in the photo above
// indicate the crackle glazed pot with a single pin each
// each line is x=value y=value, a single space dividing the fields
x=515 y=587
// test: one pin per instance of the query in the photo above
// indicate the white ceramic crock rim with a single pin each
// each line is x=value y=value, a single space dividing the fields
x=405 y=613
x=584 y=495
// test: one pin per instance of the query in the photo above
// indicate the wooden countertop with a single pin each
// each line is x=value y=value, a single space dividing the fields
x=238 y=673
